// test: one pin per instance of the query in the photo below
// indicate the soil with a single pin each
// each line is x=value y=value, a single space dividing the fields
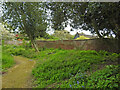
x=20 y=75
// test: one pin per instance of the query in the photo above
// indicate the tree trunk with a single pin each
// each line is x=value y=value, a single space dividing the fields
x=34 y=45
x=96 y=29
x=118 y=37
x=118 y=32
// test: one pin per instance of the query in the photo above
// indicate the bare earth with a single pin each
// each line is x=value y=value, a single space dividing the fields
x=20 y=75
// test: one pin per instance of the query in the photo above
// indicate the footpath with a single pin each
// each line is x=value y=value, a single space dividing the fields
x=20 y=75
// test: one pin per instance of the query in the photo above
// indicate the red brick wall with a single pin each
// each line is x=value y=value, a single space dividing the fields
x=89 y=44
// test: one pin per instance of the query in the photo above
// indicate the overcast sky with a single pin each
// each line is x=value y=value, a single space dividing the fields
x=0 y=11
x=68 y=28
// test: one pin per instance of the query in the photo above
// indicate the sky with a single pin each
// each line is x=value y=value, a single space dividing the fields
x=0 y=10
x=68 y=28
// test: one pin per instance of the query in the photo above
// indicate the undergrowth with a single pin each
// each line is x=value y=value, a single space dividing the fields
x=7 y=61
x=59 y=68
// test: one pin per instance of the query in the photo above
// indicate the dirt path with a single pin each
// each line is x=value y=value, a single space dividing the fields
x=19 y=76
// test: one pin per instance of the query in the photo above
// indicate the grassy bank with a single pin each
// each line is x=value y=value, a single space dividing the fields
x=7 y=61
x=71 y=68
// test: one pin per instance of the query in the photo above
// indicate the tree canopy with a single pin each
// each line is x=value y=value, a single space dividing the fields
x=29 y=17
x=97 y=17
x=63 y=35
x=5 y=34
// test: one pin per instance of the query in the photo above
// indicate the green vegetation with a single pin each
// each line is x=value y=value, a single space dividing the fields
x=58 y=35
x=63 y=35
x=64 y=65
x=48 y=39
x=6 y=35
x=71 y=68
x=33 y=24
x=57 y=67
x=81 y=37
x=91 y=16
x=7 y=61
x=105 y=78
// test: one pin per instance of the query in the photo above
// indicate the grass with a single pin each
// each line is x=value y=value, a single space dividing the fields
x=59 y=68
x=7 y=61
x=7 y=58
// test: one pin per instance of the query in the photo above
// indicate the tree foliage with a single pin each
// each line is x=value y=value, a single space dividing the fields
x=5 y=34
x=97 y=17
x=103 y=17
x=63 y=35
x=29 y=17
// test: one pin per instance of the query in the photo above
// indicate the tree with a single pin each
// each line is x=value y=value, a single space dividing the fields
x=29 y=17
x=97 y=17
x=6 y=35
x=63 y=35
x=104 y=18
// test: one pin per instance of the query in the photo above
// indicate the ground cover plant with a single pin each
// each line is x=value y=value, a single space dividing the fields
x=105 y=78
x=61 y=67
x=57 y=68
